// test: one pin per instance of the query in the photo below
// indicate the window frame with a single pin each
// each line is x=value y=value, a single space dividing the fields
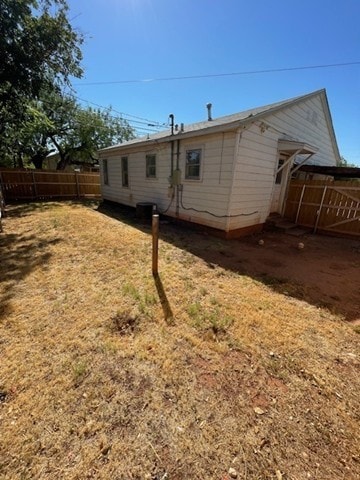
x=148 y=167
x=199 y=164
x=125 y=171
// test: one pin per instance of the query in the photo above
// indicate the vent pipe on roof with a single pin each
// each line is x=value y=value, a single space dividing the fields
x=208 y=106
x=171 y=116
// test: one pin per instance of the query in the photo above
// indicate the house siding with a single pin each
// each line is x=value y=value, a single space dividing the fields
x=306 y=121
x=257 y=159
x=253 y=177
x=238 y=166
x=210 y=192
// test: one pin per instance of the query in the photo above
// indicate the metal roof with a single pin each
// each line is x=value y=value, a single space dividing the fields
x=227 y=122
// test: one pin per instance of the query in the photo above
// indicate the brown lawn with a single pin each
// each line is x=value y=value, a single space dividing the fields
x=239 y=356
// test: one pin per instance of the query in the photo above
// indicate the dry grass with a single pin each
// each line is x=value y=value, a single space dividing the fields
x=107 y=373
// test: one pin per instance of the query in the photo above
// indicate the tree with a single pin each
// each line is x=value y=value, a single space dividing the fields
x=39 y=53
x=345 y=163
x=33 y=143
x=85 y=131
x=39 y=50
x=58 y=123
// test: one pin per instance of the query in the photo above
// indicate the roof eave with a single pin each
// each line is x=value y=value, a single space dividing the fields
x=233 y=126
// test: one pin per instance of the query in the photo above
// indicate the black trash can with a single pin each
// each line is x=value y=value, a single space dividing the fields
x=145 y=210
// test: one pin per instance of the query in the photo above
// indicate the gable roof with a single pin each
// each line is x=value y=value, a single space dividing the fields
x=230 y=122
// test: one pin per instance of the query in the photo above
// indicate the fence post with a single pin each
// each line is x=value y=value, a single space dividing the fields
x=300 y=202
x=77 y=185
x=34 y=185
x=319 y=211
x=155 y=243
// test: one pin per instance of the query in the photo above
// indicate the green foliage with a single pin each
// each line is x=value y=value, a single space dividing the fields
x=55 y=122
x=39 y=50
x=86 y=130
x=209 y=319
x=345 y=163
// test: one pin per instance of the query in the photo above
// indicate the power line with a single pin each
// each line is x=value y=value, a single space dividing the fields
x=141 y=120
x=215 y=75
x=139 y=128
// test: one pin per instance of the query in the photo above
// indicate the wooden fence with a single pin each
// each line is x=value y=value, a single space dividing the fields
x=20 y=185
x=332 y=207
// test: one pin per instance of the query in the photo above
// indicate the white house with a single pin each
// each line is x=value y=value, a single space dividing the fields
x=227 y=173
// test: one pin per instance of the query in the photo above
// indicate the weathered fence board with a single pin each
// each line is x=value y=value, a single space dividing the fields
x=332 y=206
x=42 y=185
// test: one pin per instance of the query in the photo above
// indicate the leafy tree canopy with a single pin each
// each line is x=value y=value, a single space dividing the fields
x=39 y=50
x=39 y=53
x=38 y=47
x=79 y=132
x=58 y=123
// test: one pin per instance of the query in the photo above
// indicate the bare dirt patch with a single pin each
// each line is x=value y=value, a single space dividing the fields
x=325 y=272
x=237 y=356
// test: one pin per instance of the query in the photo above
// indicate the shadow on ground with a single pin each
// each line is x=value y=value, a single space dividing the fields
x=325 y=273
x=19 y=256
x=24 y=209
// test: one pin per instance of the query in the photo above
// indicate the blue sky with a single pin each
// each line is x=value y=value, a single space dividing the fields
x=145 y=40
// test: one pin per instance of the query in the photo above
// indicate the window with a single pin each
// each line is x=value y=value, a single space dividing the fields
x=124 y=171
x=193 y=162
x=105 y=172
x=151 y=166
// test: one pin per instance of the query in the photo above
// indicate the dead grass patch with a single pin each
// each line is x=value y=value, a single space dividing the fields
x=107 y=372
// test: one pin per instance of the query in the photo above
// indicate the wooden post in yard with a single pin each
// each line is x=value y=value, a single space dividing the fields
x=155 y=243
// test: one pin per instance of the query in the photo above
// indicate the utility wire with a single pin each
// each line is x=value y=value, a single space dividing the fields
x=215 y=75
x=139 y=129
x=141 y=120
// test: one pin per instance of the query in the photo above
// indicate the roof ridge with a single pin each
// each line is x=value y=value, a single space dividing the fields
x=217 y=122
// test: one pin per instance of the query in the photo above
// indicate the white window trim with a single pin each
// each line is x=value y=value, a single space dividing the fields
x=151 y=177
x=128 y=176
x=202 y=158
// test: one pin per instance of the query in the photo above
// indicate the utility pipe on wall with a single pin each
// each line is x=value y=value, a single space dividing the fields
x=177 y=183
x=171 y=116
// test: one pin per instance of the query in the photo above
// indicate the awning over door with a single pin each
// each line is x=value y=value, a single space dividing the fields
x=288 y=149
x=292 y=146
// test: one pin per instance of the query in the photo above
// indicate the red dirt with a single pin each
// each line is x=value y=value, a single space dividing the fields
x=329 y=268
x=326 y=272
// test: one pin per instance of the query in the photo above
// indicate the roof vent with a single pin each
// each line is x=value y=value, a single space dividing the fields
x=208 y=106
